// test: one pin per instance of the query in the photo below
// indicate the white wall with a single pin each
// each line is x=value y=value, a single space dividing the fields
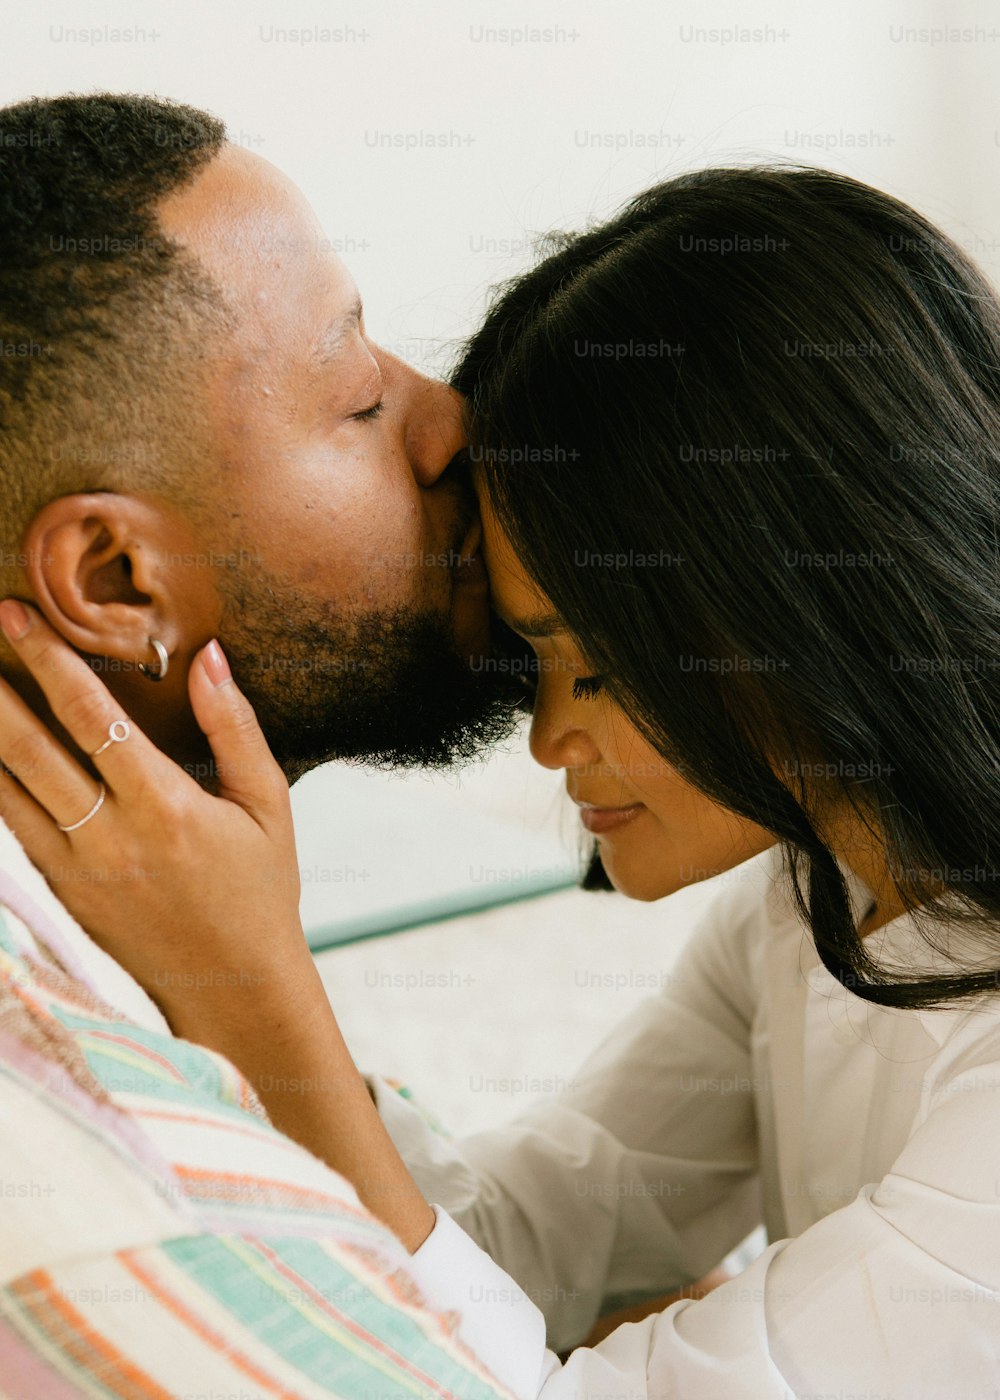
x=418 y=225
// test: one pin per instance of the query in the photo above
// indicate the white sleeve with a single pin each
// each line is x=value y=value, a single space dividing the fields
x=895 y=1295
x=633 y=1181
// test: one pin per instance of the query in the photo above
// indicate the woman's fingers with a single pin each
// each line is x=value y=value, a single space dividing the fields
x=246 y=767
x=33 y=827
x=40 y=763
x=85 y=708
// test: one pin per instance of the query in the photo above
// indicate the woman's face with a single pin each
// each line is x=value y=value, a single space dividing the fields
x=655 y=831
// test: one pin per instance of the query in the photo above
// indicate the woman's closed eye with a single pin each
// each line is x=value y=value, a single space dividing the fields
x=367 y=415
x=587 y=687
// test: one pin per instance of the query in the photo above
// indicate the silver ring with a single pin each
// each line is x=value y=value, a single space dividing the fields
x=163 y=661
x=75 y=826
x=118 y=732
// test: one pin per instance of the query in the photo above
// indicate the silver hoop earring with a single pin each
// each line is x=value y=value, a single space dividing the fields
x=163 y=662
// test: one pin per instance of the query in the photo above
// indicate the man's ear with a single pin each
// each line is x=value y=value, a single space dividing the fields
x=111 y=571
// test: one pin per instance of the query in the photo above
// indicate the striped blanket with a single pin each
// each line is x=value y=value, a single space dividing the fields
x=158 y=1237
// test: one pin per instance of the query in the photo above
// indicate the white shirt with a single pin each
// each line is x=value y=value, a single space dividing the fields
x=753 y=1088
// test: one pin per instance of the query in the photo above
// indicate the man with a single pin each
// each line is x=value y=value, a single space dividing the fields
x=198 y=438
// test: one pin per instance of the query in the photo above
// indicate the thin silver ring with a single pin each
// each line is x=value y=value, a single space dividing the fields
x=162 y=657
x=118 y=732
x=75 y=826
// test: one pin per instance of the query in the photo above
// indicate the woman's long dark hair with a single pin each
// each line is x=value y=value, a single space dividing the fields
x=746 y=437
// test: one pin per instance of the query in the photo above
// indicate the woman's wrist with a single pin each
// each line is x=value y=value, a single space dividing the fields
x=281 y=1033
x=241 y=998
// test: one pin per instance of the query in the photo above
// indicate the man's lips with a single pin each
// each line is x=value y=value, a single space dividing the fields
x=599 y=819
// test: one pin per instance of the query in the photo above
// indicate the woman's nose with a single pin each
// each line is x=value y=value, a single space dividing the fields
x=559 y=745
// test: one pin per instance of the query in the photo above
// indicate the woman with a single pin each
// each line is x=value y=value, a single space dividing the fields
x=752 y=542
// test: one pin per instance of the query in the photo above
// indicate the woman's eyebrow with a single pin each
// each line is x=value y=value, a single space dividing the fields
x=541 y=625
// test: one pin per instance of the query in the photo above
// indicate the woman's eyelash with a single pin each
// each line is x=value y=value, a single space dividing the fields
x=587 y=687
x=368 y=414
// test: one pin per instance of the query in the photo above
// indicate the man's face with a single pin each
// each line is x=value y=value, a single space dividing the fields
x=346 y=534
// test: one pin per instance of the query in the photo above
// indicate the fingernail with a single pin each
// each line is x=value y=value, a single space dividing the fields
x=215 y=664
x=14 y=619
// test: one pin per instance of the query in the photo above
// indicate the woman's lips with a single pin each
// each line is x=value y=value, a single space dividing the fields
x=601 y=819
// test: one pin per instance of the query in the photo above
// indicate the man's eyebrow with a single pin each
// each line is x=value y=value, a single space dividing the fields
x=541 y=625
x=329 y=344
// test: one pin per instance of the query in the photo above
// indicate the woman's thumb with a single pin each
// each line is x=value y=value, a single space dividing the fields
x=247 y=771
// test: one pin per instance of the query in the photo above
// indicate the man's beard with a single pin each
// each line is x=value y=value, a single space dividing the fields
x=387 y=689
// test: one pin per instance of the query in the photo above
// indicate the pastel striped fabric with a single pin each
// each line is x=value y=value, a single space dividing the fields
x=159 y=1237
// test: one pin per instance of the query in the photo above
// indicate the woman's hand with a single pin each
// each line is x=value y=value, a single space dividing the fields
x=195 y=895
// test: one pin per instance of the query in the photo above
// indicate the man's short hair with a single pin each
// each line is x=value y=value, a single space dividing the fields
x=101 y=317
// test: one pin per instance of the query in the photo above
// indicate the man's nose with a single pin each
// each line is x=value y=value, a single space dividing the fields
x=433 y=426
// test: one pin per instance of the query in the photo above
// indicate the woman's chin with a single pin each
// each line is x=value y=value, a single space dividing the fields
x=647 y=866
x=634 y=878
